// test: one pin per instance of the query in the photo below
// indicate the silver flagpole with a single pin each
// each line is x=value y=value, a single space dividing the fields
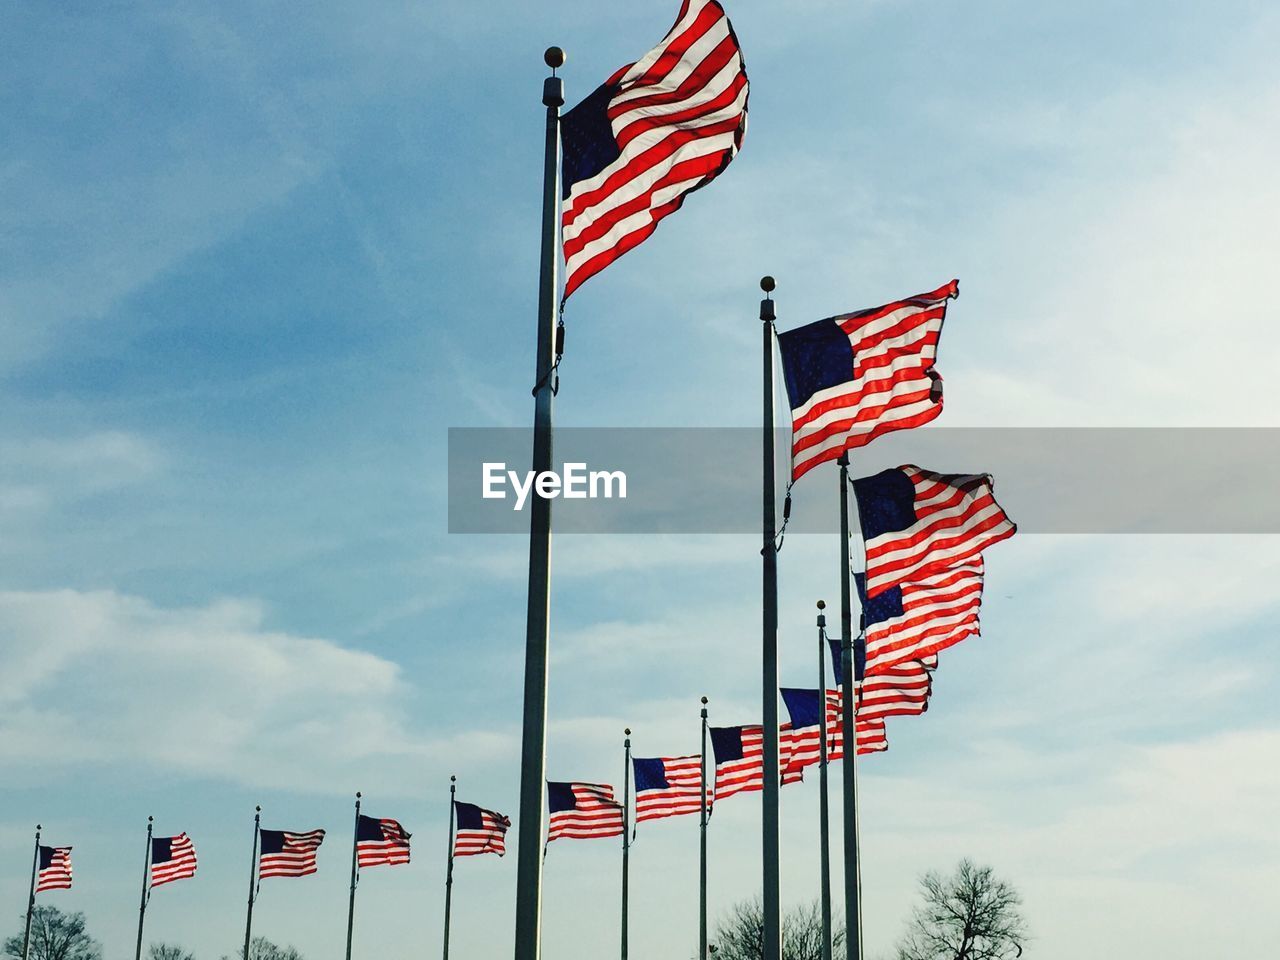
x=772 y=945
x=702 y=858
x=253 y=875
x=849 y=703
x=626 y=836
x=31 y=895
x=355 y=875
x=448 y=874
x=146 y=888
x=824 y=819
x=534 y=748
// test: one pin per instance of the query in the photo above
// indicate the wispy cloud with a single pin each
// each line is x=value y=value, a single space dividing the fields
x=105 y=679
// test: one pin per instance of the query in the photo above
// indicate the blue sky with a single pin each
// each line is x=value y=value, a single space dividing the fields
x=253 y=266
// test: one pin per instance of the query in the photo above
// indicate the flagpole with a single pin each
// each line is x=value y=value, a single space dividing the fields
x=849 y=705
x=534 y=745
x=702 y=855
x=824 y=819
x=355 y=875
x=626 y=837
x=772 y=945
x=31 y=895
x=146 y=888
x=253 y=876
x=448 y=875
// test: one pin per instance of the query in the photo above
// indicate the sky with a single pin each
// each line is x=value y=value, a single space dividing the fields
x=255 y=261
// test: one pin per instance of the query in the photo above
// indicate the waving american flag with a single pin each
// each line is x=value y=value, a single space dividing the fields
x=916 y=522
x=172 y=858
x=479 y=830
x=668 y=786
x=55 y=869
x=655 y=131
x=920 y=617
x=583 y=811
x=284 y=853
x=381 y=842
x=857 y=376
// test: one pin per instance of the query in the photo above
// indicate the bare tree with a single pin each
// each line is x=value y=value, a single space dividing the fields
x=168 y=951
x=263 y=949
x=740 y=933
x=56 y=936
x=969 y=915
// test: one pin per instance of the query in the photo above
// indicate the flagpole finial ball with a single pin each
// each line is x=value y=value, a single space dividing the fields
x=359 y=794
x=452 y=778
x=554 y=58
x=767 y=284
x=704 y=699
x=258 y=808
x=627 y=731
x=822 y=604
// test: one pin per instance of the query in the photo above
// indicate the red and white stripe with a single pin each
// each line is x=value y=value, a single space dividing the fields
x=683 y=793
x=490 y=837
x=957 y=517
x=894 y=349
x=678 y=116
x=871 y=733
x=297 y=859
x=181 y=864
x=596 y=814
x=900 y=691
x=57 y=875
x=391 y=851
x=938 y=611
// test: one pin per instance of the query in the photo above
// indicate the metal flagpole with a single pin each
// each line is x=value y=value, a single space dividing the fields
x=355 y=875
x=702 y=858
x=849 y=703
x=146 y=888
x=31 y=895
x=626 y=837
x=772 y=946
x=253 y=876
x=533 y=750
x=448 y=874
x=824 y=819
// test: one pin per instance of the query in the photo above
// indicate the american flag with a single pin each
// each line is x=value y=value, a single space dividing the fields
x=381 y=842
x=479 y=830
x=668 y=786
x=921 y=617
x=172 y=858
x=916 y=522
x=583 y=811
x=55 y=869
x=282 y=853
x=900 y=691
x=655 y=131
x=857 y=376
x=739 y=753
x=802 y=734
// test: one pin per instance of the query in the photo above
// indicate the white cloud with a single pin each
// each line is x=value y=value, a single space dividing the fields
x=103 y=678
x=39 y=473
